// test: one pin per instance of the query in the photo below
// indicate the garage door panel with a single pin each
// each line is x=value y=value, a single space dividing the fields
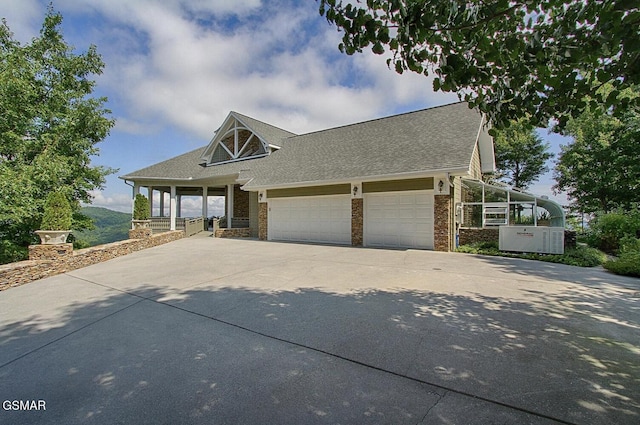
x=399 y=219
x=311 y=219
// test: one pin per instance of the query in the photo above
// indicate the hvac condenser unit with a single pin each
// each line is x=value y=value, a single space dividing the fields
x=543 y=240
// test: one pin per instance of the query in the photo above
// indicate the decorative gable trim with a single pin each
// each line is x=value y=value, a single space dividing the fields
x=234 y=141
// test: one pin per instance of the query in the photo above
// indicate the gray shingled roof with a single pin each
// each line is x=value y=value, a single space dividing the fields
x=187 y=166
x=440 y=138
x=430 y=140
x=268 y=132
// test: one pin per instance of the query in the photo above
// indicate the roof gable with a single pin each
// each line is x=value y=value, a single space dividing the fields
x=241 y=137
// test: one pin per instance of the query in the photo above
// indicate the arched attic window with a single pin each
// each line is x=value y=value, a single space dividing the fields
x=237 y=143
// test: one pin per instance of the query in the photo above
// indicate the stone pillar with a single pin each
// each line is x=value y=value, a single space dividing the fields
x=240 y=202
x=442 y=223
x=172 y=208
x=357 y=221
x=50 y=252
x=263 y=220
x=229 y=205
x=140 y=233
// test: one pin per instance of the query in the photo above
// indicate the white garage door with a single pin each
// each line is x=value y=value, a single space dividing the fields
x=311 y=219
x=399 y=219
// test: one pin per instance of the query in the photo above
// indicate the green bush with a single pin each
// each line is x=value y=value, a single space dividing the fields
x=486 y=248
x=141 y=208
x=57 y=212
x=607 y=230
x=628 y=262
x=581 y=256
x=10 y=252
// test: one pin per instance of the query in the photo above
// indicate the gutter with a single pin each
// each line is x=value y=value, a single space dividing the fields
x=383 y=177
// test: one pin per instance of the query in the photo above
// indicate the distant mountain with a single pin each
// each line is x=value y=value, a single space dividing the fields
x=110 y=225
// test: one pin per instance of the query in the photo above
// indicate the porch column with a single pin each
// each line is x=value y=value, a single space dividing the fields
x=229 y=205
x=205 y=196
x=150 y=193
x=442 y=223
x=135 y=191
x=172 y=208
x=161 y=203
x=179 y=206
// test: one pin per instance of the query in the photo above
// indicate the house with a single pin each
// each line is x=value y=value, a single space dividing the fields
x=400 y=181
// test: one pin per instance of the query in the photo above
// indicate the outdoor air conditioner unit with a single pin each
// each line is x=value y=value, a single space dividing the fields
x=542 y=240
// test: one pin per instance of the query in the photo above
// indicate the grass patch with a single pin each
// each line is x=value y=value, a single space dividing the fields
x=581 y=256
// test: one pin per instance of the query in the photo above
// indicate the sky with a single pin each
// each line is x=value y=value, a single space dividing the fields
x=174 y=69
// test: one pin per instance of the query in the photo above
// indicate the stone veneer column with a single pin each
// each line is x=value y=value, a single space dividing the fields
x=263 y=216
x=357 y=206
x=50 y=252
x=442 y=223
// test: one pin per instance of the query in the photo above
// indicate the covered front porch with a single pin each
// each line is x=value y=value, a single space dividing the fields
x=172 y=208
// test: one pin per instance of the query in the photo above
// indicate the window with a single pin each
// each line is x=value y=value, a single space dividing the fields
x=484 y=205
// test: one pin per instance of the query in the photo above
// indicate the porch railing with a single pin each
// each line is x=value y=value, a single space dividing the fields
x=191 y=226
x=236 y=222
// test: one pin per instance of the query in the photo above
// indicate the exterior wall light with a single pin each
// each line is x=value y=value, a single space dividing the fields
x=440 y=186
x=260 y=195
x=355 y=190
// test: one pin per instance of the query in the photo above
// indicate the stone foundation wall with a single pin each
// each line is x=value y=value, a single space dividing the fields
x=469 y=236
x=243 y=232
x=140 y=233
x=22 y=272
x=357 y=221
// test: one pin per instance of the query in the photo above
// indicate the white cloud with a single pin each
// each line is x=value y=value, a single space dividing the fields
x=117 y=202
x=24 y=18
x=178 y=63
x=183 y=65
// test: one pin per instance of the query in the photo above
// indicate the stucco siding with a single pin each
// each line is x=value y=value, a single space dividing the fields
x=398 y=185
x=335 y=189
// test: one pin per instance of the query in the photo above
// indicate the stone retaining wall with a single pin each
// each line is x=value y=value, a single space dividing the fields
x=240 y=232
x=15 y=274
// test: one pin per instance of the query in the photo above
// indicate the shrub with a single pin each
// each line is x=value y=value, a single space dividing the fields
x=141 y=208
x=57 y=212
x=581 y=256
x=486 y=248
x=10 y=252
x=607 y=230
x=628 y=263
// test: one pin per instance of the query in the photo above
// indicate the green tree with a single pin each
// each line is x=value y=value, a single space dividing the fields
x=521 y=155
x=510 y=58
x=599 y=169
x=49 y=128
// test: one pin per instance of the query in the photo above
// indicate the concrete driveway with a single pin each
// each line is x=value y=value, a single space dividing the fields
x=217 y=331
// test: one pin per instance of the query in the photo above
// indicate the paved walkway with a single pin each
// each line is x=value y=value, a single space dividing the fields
x=206 y=330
